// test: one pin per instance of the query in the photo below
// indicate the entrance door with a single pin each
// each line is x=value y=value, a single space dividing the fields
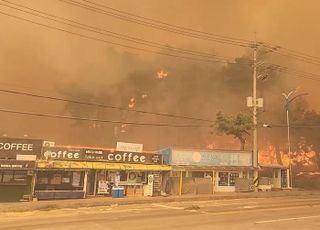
x=226 y=181
x=91 y=181
x=284 y=178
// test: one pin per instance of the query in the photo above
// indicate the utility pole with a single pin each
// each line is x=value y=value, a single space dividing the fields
x=254 y=118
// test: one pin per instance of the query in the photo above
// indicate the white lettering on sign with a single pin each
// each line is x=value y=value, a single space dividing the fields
x=126 y=157
x=16 y=146
x=10 y=166
x=61 y=154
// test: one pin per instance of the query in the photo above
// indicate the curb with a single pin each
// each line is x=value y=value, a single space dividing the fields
x=96 y=202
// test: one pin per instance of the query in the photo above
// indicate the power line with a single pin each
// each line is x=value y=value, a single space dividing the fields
x=101 y=105
x=171 y=25
x=184 y=31
x=292 y=54
x=103 y=121
x=111 y=33
x=298 y=53
x=115 y=43
x=297 y=73
x=157 y=26
x=286 y=52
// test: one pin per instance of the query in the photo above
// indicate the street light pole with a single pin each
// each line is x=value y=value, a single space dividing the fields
x=287 y=96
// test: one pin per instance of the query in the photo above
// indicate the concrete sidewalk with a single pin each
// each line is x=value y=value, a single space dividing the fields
x=107 y=201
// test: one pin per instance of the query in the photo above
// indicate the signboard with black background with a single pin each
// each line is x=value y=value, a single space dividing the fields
x=16 y=165
x=11 y=147
x=101 y=155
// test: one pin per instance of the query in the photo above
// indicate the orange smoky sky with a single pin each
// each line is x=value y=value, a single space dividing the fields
x=45 y=61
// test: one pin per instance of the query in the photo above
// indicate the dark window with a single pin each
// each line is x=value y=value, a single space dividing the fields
x=123 y=176
x=223 y=178
x=13 y=178
x=233 y=177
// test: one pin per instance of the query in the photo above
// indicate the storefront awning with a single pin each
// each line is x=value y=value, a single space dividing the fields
x=275 y=166
x=210 y=168
x=99 y=165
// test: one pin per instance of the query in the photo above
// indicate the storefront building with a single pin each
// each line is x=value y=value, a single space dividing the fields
x=206 y=172
x=278 y=176
x=17 y=168
x=75 y=172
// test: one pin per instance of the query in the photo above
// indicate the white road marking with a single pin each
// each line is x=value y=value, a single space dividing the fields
x=287 y=219
x=248 y=207
x=167 y=207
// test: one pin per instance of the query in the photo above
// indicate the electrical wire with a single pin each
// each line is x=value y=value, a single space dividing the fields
x=114 y=43
x=184 y=31
x=157 y=26
x=103 y=121
x=101 y=31
x=15 y=92
x=292 y=54
x=295 y=72
x=171 y=25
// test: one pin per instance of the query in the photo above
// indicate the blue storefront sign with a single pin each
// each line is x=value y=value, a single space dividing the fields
x=207 y=158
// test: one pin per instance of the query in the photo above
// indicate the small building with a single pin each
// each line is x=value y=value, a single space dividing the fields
x=17 y=168
x=77 y=172
x=278 y=175
x=207 y=171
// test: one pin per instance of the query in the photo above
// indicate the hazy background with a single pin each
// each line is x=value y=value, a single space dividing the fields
x=48 y=62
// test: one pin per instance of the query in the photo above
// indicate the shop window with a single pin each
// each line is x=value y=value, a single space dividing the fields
x=232 y=180
x=223 y=178
x=19 y=177
x=59 y=180
x=13 y=178
x=123 y=176
x=141 y=177
x=7 y=177
x=227 y=178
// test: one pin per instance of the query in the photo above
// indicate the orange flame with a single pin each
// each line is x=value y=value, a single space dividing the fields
x=131 y=103
x=162 y=74
x=303 y=156
x=143 y=96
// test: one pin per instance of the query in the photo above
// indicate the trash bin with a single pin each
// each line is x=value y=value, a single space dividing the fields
x=117 y=192
x=114 y=193
x=120 y=192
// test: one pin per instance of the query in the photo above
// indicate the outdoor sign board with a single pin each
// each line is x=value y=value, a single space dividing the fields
x=11 y=147
x=101 y=155
x=15 y=164
x=129 y=147
x=62 y=153
x=207 y=158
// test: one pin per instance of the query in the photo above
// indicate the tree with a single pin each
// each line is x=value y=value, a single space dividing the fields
x=238 y=126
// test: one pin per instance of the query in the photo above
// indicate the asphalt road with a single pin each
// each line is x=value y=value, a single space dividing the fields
x=288 y=213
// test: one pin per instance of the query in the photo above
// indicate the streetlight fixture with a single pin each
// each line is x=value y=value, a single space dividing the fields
x=288 y=101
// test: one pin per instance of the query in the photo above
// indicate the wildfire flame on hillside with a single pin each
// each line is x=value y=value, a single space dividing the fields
x=131 y=103
x=302 y=157
x=162 y=74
